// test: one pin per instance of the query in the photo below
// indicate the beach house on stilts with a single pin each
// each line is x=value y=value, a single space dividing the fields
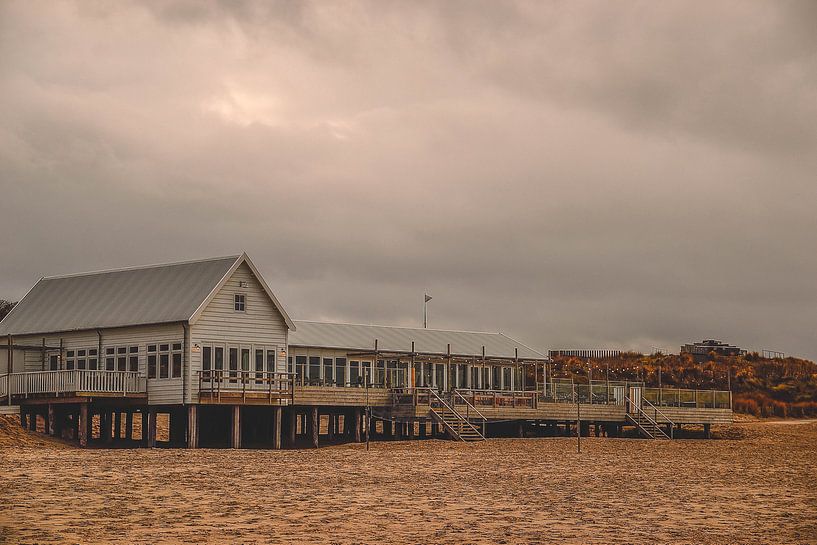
x=205 y=348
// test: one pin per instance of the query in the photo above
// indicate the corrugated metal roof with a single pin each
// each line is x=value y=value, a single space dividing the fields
x=123 y=297
x=398 y=339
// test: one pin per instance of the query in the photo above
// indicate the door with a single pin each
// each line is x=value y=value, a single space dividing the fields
x=635 y=399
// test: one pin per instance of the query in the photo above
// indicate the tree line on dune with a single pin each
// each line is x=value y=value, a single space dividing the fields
x=765 y=387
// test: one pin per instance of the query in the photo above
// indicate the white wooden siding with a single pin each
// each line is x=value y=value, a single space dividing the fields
x=167 y=391
x=260 y=325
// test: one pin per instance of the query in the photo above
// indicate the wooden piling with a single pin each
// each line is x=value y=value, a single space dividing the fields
x=82 y=430
x=129 y=425
x=358 y=425
x=192 y=426
x=276 y=428
x=235 y=441
x=293 y=426
x=117 y=425
x=314 y=426
x=151 y=435
x=105 y=426
x=51 y=421
x=145 y=426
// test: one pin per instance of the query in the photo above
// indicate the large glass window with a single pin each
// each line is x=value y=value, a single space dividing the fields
x=328 y=368
x=152 y=361
x=245 y=361
x=133 y=359
x=206 y=358
x=300 y=368
x=314 y=369
x=259 y=364
x=82 y=359
x=122 y=358
x=233 y=364
x=176 y=370
x=340 y=371
x=379 y=374
x=93 y=359
x=354 y=373
x=439 y=372
x=164 y=365
x=271 y=361
x=218 y=352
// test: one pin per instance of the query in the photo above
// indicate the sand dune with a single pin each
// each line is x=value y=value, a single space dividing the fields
x=756 y=489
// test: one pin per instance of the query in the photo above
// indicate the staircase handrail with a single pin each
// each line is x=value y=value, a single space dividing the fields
x=657 y=412
x=640 y=412
x=454 y=411
x=469 y=405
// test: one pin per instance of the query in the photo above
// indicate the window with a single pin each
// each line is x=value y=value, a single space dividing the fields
x=300 y=368
x=354 y=373
x=240 y=302
x=110 y=360
x=82 y=360
x=271 y=361
x=93 y=358
x=152 y=361
x=379 y=374
x=328 y=374
x=133 y=359
x=121 y=358
x=259 y=364
x=164 y=365
x=233 y=364
x=314 y=369
x=176 y=371
x=340 y=371
x=219 y=358
x=206 y=358
x=54 y=362
x=245 y=359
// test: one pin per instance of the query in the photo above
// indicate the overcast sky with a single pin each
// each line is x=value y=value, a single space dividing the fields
x=577 y=174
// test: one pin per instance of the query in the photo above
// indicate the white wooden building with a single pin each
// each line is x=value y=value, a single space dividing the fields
x=208 y=343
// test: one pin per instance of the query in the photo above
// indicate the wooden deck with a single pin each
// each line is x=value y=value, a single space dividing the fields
x=341 y=397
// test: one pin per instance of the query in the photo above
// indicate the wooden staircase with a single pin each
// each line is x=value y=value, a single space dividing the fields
x=457 y=426
x=647 y=425
x=453 y=422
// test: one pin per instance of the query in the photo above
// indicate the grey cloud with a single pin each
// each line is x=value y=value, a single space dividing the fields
x=570 y=174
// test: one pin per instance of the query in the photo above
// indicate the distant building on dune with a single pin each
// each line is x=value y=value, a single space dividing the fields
x=701 y=350
x=592 y=353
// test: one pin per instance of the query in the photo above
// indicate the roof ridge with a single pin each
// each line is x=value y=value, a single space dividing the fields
x=139 y=267
x=405 y=327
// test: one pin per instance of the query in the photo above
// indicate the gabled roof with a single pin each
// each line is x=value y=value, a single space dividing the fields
x=398 y=339
x=154 y=294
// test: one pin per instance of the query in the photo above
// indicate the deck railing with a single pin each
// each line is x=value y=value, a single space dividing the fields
x=565 y=391
x=277 y=386
x=4 y=386
x=75 y=381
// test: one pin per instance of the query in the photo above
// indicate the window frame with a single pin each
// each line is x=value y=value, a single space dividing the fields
x=240 y=302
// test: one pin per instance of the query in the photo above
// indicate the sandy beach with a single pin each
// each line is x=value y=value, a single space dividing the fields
x=755 y=486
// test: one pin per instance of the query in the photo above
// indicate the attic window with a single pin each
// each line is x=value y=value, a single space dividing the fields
x=240 y=304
